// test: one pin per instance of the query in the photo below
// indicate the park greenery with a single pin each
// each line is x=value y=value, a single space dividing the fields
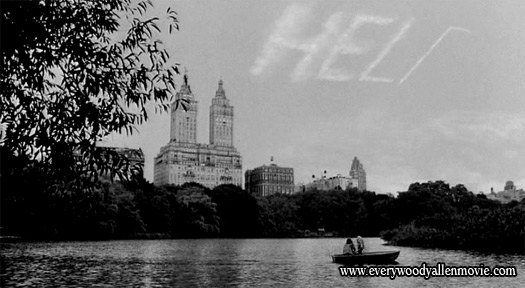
x=430 y=214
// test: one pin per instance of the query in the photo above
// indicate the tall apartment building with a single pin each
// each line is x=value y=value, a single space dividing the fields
x=184 y=160
x=358 y=174
x=268 y=180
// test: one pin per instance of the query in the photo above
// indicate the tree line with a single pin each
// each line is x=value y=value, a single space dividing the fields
x=431 y=214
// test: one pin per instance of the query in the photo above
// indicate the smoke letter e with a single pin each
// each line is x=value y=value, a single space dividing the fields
x=345 y=46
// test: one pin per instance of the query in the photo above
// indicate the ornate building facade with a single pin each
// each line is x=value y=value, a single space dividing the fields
x=268 y=180
x=184 y=160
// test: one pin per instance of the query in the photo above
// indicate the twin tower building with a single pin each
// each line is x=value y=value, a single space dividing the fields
x=184 y=160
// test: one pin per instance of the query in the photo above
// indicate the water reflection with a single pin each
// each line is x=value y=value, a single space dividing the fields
x=220 y=262
x=223 y=262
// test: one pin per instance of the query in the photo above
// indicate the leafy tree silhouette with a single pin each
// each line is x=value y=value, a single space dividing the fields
x=74 y=72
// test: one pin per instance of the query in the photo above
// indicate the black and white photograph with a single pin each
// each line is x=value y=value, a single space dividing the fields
x=262 y=143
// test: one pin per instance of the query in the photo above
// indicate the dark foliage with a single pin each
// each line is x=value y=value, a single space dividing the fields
x=428 y=215
x=434 y=215
x=70 y=77
x=237 y=211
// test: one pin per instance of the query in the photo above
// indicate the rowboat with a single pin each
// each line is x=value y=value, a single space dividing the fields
x=366 y=257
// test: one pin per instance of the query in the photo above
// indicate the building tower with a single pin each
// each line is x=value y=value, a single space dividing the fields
x=221 y=119
x=357 y=173
x=184 y=123
x=185 y=160
x=509 y=185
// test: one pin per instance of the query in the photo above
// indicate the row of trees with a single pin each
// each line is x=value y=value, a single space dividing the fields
x=431 y=214
x=453 y=218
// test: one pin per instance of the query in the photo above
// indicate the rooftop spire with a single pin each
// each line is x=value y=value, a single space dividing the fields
x=185 y=88
x=220 y=91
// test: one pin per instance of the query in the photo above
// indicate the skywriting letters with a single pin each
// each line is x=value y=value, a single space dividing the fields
x=340 y=40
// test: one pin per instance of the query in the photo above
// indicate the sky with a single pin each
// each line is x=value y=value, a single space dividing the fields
x=417 y=90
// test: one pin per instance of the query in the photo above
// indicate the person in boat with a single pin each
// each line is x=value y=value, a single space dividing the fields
x=349 y=247
x=360 y=245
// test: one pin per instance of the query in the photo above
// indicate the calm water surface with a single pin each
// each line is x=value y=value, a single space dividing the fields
x=223 y=262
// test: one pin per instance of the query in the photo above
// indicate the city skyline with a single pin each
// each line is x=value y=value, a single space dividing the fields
x=418 y=91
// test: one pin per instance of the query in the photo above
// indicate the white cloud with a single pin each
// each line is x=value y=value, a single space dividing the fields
x=489 y=128
x=479 y=150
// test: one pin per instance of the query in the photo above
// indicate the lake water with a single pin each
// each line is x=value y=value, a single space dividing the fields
x=224 y=262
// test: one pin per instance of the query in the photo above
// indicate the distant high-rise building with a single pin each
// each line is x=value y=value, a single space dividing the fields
x=358 y=174
x=268 y=180
x=509 y=193
x=184 y=160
